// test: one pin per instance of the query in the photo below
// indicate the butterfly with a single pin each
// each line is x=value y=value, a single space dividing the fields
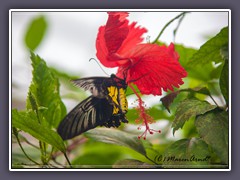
x=107 y=106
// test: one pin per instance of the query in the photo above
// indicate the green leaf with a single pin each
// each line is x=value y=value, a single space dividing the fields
x=189 y=108
x=168 y=99
x=224 y=75
x=213 y=128
x=96 y=160
x=200 y=90
x=114 y=136
x=44 y=93
x=185 y=54
x=132 y=163
x=96 y=154
x=187 y=153
x=35 y=32
x=210 y=51
x=224 y=52
x=189 y=129
x=205 y=73
x=210 y=71
x=28 y=123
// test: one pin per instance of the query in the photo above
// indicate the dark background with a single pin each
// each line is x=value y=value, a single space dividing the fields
x=115 y=4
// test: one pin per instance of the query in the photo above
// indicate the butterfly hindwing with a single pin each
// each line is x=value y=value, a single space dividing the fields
x=88 y=114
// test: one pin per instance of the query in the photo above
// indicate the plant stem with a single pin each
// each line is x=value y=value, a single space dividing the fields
x=159 y=35
x=24 y=151
x=176 y=29
x=55 y=161
x=151 y=160
x=67 y=160
x=28 y=142
x=213 y=100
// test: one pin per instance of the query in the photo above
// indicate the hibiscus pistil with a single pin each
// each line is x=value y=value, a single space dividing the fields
x=144 y=117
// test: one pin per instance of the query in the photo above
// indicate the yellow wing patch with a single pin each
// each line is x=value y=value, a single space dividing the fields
x=119 y=99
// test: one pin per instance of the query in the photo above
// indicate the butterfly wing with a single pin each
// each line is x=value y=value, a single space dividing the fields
x=88 y=114
x=96 y=85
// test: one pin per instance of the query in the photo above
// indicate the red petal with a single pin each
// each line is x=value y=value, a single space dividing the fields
x=117 y=38
x=102 y=50
x=134 y=37
x=116 y=31
x=154 y=68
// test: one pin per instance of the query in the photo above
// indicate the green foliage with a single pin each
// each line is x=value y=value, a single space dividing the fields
x=196 y=71
x=224 y=78
x=44 y=110
x=168 y=99
x=185 y=53
x=44 y=94
x=28 y=122
x=210 y=51
x=209 y=123
x=35 y=32
x=190 y=108
x=96 y=155
x=213 y=128
x=114 y=136
x=187 y=153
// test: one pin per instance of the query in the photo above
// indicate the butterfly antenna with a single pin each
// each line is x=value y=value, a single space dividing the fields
x=99 y=65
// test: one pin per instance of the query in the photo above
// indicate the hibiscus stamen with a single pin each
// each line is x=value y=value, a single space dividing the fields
x=143 y=116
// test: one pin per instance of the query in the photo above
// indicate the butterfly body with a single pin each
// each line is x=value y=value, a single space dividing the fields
x=106 y=106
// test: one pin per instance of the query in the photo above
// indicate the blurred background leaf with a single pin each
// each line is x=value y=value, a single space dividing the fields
x=35 y=33
x=97 y=155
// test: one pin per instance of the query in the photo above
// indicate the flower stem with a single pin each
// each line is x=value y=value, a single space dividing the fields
x=159 y=35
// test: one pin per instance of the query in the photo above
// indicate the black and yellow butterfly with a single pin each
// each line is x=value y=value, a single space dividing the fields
x=106 y=106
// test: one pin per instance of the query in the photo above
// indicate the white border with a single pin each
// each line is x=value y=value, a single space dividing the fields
x=104 y=10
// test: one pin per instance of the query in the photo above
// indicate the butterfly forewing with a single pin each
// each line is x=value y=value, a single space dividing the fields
x=96 y=85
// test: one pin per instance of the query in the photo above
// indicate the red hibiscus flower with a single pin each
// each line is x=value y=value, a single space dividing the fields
x=152 y=68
